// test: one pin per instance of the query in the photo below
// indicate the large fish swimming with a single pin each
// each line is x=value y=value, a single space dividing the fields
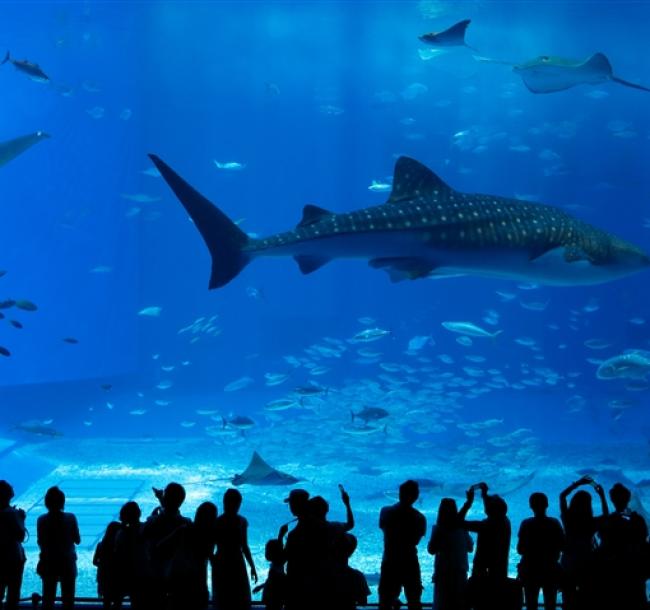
x=426 y=228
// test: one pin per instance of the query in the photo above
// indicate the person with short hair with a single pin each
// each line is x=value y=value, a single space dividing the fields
x=540 y=542
x=403 y=527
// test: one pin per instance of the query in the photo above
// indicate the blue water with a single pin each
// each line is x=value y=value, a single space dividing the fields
x=315 y=100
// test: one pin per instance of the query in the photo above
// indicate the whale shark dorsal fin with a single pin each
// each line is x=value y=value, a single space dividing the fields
x=312 y=214
x=412 y=179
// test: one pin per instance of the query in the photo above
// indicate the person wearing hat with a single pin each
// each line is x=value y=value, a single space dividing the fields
x=296 y=551
x=12 y=555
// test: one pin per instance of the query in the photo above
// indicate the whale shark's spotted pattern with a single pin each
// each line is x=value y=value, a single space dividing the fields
x=425 y=228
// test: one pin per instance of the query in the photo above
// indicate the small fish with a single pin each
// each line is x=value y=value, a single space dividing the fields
x=418 y=342
x=596 y=344
x=380 y=187
x=152 y=312
x=275 y=378
x=126 y=114
x=106 y=386
x=70 y=340
x=229 y=165
x=96 y=112
x=6 y=304
x=165 y=385
x=140 y=197
x=162 y=403
x=4 y=352
x=241 y=422
x=23 y=304
x=368 y=414
x=188 y=424
x=138 y=412
x=32 y=70
x=15 y=323
x=101 y=269
x=368 y=335
x=238 y=384
x=282 y=404
x=469 y=329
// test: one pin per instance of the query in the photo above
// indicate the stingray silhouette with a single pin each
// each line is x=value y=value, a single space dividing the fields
x=258 y=472
x=451 y=37
x=548 y=74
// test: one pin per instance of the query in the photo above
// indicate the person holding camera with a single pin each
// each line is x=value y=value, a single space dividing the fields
x=578 y=557
x=12 y=555
x=489 y=586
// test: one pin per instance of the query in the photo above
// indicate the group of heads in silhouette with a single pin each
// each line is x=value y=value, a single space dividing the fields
x=597 y=561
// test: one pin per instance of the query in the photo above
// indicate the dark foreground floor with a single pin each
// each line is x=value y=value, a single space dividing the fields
x=92 y=604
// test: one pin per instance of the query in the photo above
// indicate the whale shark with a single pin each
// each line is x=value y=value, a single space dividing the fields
x=10 y=149
x=425 y=229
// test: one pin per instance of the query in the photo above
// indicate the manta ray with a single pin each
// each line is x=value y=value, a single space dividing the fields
x=451 y=37
x=258 y=472
x=10 y=149
x=425 y=229
x=548 y=74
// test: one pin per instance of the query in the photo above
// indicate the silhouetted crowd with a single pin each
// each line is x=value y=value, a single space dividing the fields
x=161 y=563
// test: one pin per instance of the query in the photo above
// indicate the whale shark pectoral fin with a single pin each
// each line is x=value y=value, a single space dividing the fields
x=309 y=264
x=406 y=268
x=411 y=179
x=574 y=255
x=560 y=255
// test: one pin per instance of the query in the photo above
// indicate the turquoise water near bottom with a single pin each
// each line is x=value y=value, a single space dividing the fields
x=98 y=475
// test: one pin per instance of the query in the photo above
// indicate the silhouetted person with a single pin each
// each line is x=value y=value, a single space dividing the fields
x=163 y=521
x=450 y=543
x=623 y=539
x=132 y=557
x=190 y=547
x=489 y=584
x=274 y=589
x=349 y=586
x=297 y=551
x=580 y=527
x=109 y=587
x=403 y=527
x=230 y=585
x=12 y=555
x=541 y=540
x=57 y=535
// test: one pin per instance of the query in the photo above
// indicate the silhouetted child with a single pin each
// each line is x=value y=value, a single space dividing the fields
x=274 y=590
x=109 y=587
x=12 y=555
x=132 y=557
x=403 y=527
x=349 y=586
x=580 y=527
x=450 y=543
x=623 y=538
x=541 y=540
